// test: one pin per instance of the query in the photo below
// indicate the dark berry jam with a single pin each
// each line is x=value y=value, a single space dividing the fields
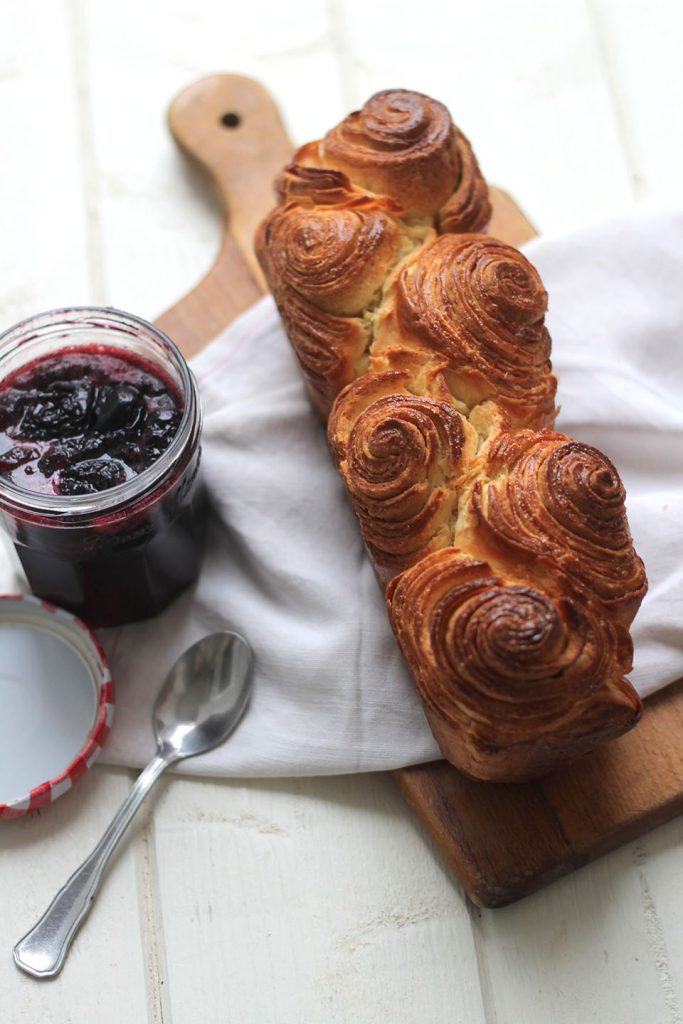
x=99 y=483
x=121 y=570
x=83 y=421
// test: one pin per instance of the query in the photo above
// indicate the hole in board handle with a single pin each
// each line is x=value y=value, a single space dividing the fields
x=230 y=120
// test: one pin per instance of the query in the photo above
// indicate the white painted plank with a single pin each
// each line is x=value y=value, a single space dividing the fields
x=525 y=82
x=43 y=257
x=585 y=949
x=657 y=864
x=642 y=41
x=104 y=977
x=310 y=900
x=160 y=229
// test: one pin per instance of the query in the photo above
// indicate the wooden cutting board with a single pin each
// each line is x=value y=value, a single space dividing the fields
x=502 y=842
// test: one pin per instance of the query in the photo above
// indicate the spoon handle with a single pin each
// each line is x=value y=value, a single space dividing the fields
x=43 y=949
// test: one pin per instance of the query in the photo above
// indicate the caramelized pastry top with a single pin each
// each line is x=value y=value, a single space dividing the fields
x=502 y=662
x=404 y=145
x=481 y=305
x=545 y=495
x=504 y=547
x=401 y=456
x=336 y=257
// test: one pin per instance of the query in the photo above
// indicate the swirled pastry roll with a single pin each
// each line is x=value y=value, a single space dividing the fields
x=506 y=669
x=326 y=265
x=402 y=457
x=479 y=304
x=545 y=497
x=504 y=547
x=404 y=145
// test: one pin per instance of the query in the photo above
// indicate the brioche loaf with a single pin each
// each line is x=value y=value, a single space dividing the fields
x=503 y=546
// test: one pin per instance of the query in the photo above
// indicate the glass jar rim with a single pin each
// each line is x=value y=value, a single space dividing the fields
x=74 y=507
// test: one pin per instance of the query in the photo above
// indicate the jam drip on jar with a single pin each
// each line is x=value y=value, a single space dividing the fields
x=84 y=421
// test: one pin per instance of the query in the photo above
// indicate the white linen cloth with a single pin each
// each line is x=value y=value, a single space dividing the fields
x=285 y=565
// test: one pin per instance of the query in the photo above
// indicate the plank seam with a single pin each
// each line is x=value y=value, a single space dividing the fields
x=339 y=42
x=657 y=941
x=151 y=927
x=616 y=99
x=74 y=14
x=483 y=973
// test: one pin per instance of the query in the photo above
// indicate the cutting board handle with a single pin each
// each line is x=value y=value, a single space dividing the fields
x=230 y=126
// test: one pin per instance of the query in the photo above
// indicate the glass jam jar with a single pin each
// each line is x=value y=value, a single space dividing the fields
x=126 y=549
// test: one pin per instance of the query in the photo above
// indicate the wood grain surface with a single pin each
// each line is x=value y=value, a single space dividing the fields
x=502 y=842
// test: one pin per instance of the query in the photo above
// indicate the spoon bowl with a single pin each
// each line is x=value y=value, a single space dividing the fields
x=204 y=696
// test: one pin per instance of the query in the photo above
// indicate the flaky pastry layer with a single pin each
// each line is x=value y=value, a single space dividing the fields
x=504 y=547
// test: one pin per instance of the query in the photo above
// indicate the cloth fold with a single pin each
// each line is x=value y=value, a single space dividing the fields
x=284 y=563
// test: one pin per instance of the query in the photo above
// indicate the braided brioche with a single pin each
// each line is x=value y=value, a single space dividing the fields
x=510 y=575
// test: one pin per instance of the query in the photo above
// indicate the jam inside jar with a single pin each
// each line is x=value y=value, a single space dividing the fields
x=100 y=424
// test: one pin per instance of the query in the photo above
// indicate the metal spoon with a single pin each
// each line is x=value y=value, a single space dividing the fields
x=202 y=700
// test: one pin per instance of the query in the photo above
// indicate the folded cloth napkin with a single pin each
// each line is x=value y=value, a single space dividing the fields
x=285 y=565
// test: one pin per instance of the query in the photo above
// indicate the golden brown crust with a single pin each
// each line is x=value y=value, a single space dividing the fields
x=544 y=495
x=505 y=670
x=404 y=145
x=325 y=265
x=505 y=546
x=402 y=457
x=400 y=144
x=468 y=207
x=312 y=186
x=480 y=305
x=335 y=257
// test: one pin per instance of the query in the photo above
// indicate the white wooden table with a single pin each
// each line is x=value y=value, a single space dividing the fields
x=318 y=901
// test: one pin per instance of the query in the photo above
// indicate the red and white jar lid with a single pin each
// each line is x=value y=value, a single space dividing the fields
x=56 y=703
